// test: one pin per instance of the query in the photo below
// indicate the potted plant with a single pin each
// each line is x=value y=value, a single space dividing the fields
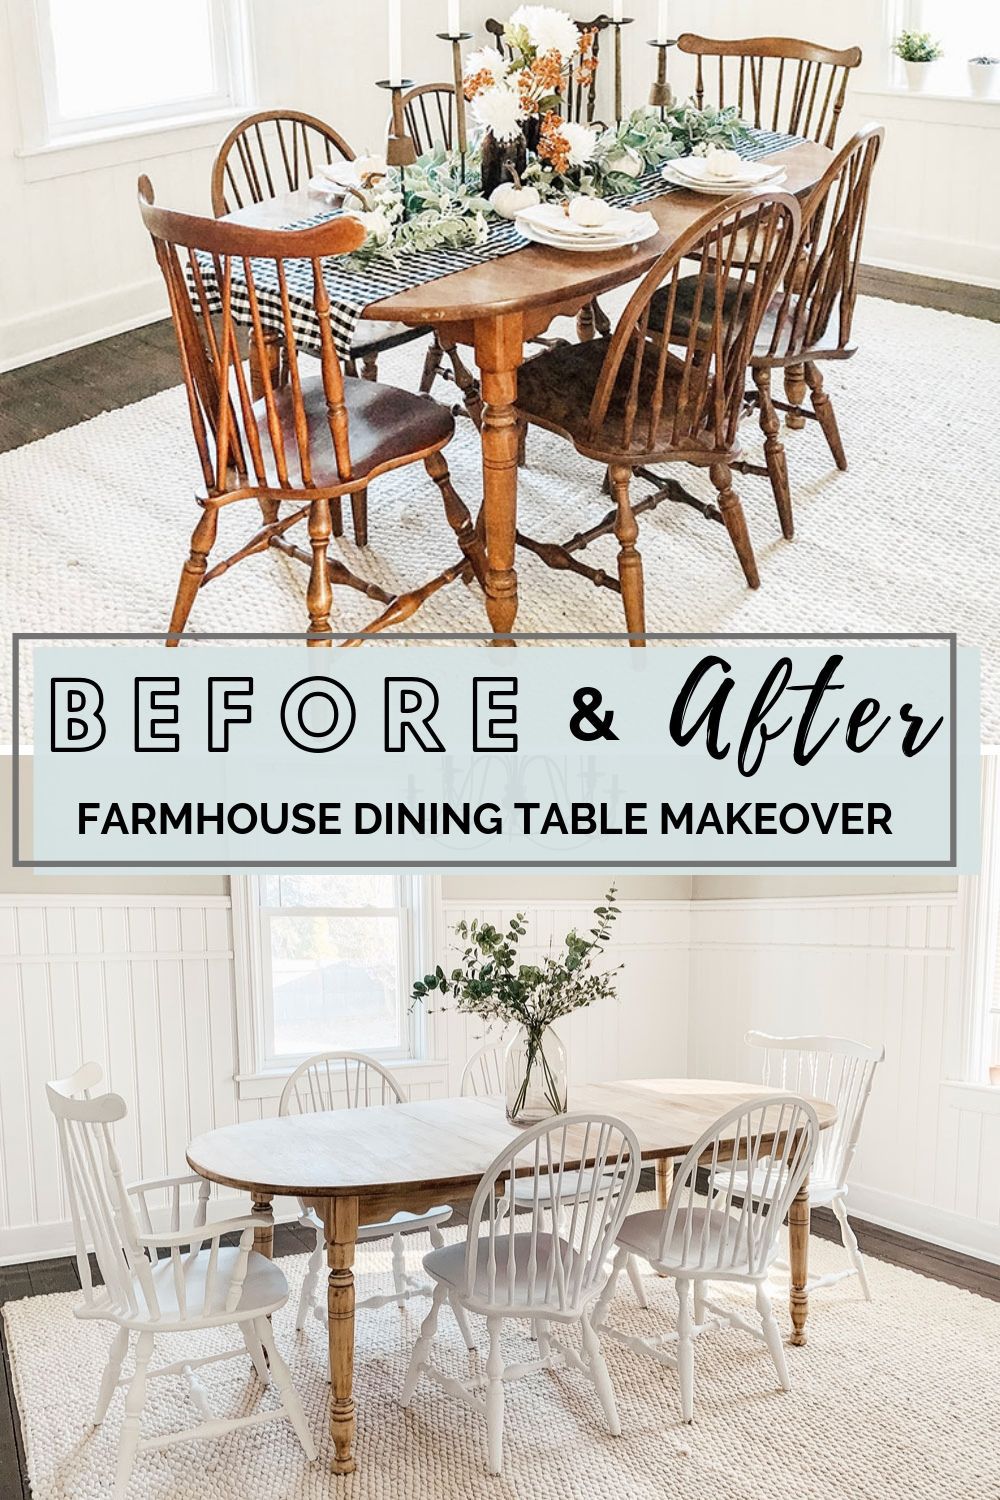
x=917 y=51
x=983 y=74
x=491 y=983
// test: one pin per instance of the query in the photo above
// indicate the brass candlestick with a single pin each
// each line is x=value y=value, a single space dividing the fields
x=461 y=119
x=619 y=108
x=399 y=148
x=661 y=95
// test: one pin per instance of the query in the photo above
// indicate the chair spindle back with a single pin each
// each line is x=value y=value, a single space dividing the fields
x=483 y=1074
x=431 y=116
x=579 y=102
x=549 y=1273
x=274 y=152
x=832 y=1068
x=338 y=1080
x=776 y=83
x=207 y=264
x=742 y=251
x=824 y=282
x=775 y=1137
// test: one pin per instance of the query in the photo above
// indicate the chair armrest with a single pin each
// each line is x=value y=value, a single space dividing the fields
x=157 y=1184
x=204 y=1233
x=143 y=1191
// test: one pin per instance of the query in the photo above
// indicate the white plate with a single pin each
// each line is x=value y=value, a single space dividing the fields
x=643 y=227
x=722 y=190
x=695 y=169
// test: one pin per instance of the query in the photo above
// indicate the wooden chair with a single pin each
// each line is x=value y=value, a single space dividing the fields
x=776 y=83
x=842 y=1072
x=160 y=1283
x=310 y=439
x=533 y=1274
x=627 y=401
x=353 y=1080
x=736 y=1240
x=579 y=103
x=812 y=317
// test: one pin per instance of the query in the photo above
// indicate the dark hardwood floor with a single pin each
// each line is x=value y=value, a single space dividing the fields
x=49 y=1276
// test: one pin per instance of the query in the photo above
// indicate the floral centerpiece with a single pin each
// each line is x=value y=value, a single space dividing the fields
x=491 y=983
x=516 y=96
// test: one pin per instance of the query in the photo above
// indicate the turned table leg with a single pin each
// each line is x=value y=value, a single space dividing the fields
x=263 y=1234
x=499 y=351
x=798 y=1255
x=664 y=1180
x=340 y=1225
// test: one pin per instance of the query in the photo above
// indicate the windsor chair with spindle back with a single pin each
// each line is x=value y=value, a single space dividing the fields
x=309 y=439
x=628 y=401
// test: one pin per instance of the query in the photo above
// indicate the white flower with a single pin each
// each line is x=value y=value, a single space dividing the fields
x=377 y=226
x=487 y=60
x=581 y=140
x=548 y=30
x=499 y=111
x=626 y=161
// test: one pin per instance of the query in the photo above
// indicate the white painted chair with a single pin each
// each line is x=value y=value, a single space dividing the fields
x=840 y=1072
x=200 y=1283
x=483 y=1076
x=533 y=1274
x=353 y=1080
x=697 y=1244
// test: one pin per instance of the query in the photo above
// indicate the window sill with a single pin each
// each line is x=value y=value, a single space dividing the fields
x=896 y=101
x=979 y=1098
x=125 y=143
x=408 y=1070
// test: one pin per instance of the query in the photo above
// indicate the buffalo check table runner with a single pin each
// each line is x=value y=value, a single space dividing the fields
x=352 y=288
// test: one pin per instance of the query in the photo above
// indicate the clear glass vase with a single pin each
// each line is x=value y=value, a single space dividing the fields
x=534 y=1076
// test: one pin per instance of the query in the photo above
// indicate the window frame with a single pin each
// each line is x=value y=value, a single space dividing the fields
x=45 y=129
x=908 y=14
x=260 y=1071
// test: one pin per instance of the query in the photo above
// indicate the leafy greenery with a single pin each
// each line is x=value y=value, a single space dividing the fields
x=917 y=46
x=441 y=211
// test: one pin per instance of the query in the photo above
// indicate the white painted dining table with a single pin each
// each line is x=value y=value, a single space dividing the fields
x=360 y=1166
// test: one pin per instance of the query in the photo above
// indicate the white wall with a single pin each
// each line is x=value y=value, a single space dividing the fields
x=881 y=968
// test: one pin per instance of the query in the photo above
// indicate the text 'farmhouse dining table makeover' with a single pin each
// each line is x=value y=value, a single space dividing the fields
x=496 y=307
x=361 y=1166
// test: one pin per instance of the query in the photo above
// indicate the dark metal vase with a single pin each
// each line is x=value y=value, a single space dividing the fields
x=505 y=161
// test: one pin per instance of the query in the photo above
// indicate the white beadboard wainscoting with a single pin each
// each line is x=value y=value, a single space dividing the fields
x=146 y=985
x=879 y=969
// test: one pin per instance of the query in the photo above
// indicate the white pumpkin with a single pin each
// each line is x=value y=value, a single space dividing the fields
x=626 y=161
x=589 y=213
x=510 y=199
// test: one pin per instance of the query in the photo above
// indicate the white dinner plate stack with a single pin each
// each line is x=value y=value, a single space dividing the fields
x=707 y=174
x=550 y=224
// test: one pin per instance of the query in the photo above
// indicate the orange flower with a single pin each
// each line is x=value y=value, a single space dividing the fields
x=553 y=146
x=478 y=83
x=586 y=69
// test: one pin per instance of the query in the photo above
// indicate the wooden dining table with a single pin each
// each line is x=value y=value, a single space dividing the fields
x=361 y=1166
x=497 y=307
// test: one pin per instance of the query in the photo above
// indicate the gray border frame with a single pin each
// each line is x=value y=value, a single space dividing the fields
x=950 y=639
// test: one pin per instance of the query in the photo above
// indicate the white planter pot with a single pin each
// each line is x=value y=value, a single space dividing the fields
x=917 y=73
x=983 y=79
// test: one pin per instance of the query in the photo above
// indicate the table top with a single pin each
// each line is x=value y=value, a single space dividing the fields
x=446 y=1143
x=538 y=277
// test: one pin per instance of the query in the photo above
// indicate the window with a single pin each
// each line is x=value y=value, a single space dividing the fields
x=970 y=28
x=329 y=964
x=981 y=966
x=110 y=64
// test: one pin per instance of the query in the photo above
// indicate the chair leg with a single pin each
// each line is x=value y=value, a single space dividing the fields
x=772 y=1334
x=359 y=517
x=290 y=1402
x=135 y=1399
x=795 y=394
x=469 y=538
x=255 y=1349
x=433 y=360
x=825 y=414
x=369 y=367
x=774 y=453
x=422 y=1348
x=319 y=595
x=462 y=1319
x=337 y=517
x=635 y=1276
x=472 y=396
x=307 y=1295
x=202 y=542
x=543 y=1337
x=601 y=320
x=629 y=559
x=698 y=1288
x=736 y=523
x=399 y=1270
x=494 y=1398
x=851 y=1245
x=112 y=1372
x=586 y=326
x=522 y=442
x=600 y=1376
x=685 y=1350
x=610 y=1287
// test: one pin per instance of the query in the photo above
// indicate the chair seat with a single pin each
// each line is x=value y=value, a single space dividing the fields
x=641 y=1233
x=264 y=1289
x=401 y=1223
x=556 y=388
x=371 y=336
x=825 y=345
x=387 y=426
x=820 y=1192
x=448 y=1265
